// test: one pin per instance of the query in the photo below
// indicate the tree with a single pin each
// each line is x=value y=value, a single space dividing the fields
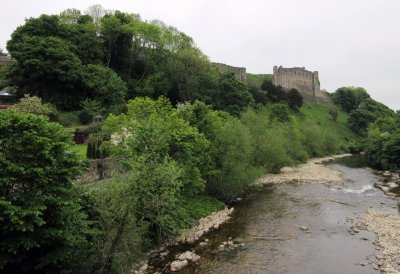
x=48 y=68
x=366 y=113
x=70 y=16
x=275 y=94
x=105 y=86
x=280 y=113
x=295 y=100
x=42 y=225
x=349 y=98
x=154 y=130
x=96 y=12
x=34 y=105
x=90 y=108
x=233 y=95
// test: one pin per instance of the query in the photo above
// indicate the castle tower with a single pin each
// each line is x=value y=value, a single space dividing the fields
x=306 y=82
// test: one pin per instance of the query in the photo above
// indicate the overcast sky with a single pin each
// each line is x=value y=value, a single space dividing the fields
x=350 y=42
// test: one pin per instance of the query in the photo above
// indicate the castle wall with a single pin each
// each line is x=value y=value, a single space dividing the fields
x=5 y=61
x=240 y=73
x=306 y=82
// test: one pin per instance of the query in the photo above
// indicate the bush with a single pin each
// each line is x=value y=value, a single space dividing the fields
x=235 y=172
x=67 y=119
x=90 y=108
x=42 y=225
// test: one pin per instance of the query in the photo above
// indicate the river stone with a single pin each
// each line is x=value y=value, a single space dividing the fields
x=195 y=257
x=178 y=265
x=186 y=255
x=391 y=185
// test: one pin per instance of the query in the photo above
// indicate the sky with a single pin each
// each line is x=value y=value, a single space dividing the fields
x=350 y=42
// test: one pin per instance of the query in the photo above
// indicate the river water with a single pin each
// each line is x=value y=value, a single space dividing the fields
x=296 y=228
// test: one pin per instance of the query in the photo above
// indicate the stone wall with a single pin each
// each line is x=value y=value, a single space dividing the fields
x=240 y=73
x=5 y=60
x=306 y=82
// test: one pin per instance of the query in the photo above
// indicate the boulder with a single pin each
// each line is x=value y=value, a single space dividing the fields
x=185 y=256
x=178 y=265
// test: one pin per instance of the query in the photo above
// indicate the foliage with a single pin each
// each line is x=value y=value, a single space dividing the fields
x=233 y=95
x=259 y=96
x=275 y=94
x=234 y=173
x=159 y=133
x=43 y=227
x=294 y=98
x=104 y=86
x=67 y=119
x=367 y=112
x=94 y=149
x=382 y=143
x=46 y=67
x=280 y=113
x=90 y=108
x=34 y=105
x=123 y=237
x=333 y=112
x=349 y=98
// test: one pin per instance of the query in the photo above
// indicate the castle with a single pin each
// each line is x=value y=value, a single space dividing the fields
x=306 y=82
x=5 y=60
x=240 y=73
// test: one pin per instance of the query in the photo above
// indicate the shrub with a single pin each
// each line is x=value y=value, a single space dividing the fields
x=67 y=118
x=42 y=225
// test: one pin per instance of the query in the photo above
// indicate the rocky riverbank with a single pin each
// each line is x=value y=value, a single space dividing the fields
x=312 y=171
x=387 y=242
x=188 y=236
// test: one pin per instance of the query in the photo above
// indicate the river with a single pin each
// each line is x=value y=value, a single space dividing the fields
x=296 y=228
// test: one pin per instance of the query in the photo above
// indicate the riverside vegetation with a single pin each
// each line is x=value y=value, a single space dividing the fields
x=175 y=162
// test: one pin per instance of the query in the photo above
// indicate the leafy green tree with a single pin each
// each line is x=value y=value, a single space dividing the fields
x=367 y=112
x=275 y=94
x=233 y=95
x=33 y=105
x=43 y=227
x=234 y=171
x=349 y=98
x=70 y=16
x=295 y=100
x=111 y=28
x=153 y=128
x=105 y=86
x=280 y=113
x=47 y=67
x=259 y=96
x=90 y=108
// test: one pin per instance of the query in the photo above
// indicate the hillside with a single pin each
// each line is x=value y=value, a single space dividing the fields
x=256 y=79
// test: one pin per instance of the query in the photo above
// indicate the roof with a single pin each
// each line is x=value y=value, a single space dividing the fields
x=6 y=94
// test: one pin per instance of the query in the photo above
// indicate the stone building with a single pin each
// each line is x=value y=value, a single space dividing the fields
x=5 y=60
x=306 y=82
x=240 y=73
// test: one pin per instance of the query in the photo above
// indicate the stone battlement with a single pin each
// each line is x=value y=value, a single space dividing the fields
x=5 y=60
x=240 y=73
x=306 y=82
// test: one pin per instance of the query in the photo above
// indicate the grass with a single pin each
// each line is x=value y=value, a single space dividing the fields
x=256 y=79
x=80 y=150
x=319 y=113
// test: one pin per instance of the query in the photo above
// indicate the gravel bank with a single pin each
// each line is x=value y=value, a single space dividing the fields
x=312 y=171
x=387 y=229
